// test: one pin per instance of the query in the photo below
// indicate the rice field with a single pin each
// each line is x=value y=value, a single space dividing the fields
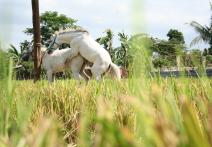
x=134 y=112
x=158 y=112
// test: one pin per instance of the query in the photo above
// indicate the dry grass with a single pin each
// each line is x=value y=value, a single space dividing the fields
x=164 y=112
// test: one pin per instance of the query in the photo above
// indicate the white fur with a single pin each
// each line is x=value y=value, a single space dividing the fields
x=82 y=43
x=59 y=61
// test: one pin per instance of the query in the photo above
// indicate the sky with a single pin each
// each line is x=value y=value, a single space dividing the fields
x=155 y=17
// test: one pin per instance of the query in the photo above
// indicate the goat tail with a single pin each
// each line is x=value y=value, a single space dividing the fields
x=114 y=71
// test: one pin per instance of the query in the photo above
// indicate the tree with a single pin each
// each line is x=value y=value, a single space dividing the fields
x=204 y=33
x=165 y=48
x=169 y=52
x=51 y=22
x=24 y=46
x=176 y=39
x=165 y=54
x=172 y=47
x=122 y=53
x=13 y=50
x=175 y=35
x=107 y=41
x=196 y=57
x=15 y=55
x=205 y=52
x=168 y=48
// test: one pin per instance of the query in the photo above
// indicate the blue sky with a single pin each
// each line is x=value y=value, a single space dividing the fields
x=158 y=16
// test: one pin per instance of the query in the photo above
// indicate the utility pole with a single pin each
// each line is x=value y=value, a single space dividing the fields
x=37 y=39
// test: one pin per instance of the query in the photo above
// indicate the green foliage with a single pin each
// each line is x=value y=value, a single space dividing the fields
x=210 y=51
x=163 y=61
x=22 y=69
x=51 y=22
x=25 y=72
x=107 y=41
x=167 y=48
x=167 y=51
x=176 y=36
x=174 y=46
x=195 y=57
x=209 y=59
x=204 y=32
x=205 y=52
x=14 y=54
x=24 y=46
x=121 y=55
x=13 y=50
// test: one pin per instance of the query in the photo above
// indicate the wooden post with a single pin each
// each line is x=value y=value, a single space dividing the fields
x=37 y=39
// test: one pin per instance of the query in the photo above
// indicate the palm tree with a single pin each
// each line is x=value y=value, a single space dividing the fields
x=204 y=31
x=122 y=52
x=15 y=55
x=107 y=41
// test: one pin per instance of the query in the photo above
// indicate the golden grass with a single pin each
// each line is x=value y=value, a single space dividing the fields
x=165 y=112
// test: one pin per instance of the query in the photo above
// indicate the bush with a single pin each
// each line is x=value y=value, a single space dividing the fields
x=25 y=72
x=208 y=59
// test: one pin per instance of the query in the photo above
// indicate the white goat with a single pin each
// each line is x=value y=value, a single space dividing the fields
x=60 y=61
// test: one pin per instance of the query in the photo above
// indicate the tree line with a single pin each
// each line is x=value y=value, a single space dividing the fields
x=172 y=52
